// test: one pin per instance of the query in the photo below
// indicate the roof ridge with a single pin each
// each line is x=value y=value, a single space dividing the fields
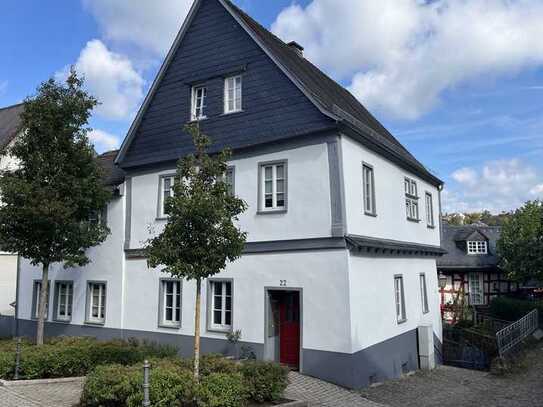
x=12 y=106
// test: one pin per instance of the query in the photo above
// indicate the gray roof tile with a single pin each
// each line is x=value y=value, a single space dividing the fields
x=10 y=123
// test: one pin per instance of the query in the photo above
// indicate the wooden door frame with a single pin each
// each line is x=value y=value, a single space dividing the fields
x=300 y=291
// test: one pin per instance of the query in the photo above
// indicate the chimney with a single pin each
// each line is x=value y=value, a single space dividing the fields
x=296 y=47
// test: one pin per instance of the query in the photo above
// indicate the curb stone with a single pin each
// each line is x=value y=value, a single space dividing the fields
x=14 y=383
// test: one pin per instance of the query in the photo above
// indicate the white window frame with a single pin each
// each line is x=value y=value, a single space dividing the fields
x=275 y=193
x=368 y=189
x=222 y=326
x=477 y=247
x=101 y=306
x=198 y=103
x=162 y=194
x=177 y=300
x=411 y=199
x=230 y=180
x=476 y=289
x=430 y=222
x=68 y=300
x=233 y=86
x=36 y=299
x=424 y=293
x=399 y=297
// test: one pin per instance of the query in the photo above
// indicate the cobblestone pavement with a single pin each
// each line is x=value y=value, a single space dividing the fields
x=42 y=395
x=452 y=387
x=319 y=393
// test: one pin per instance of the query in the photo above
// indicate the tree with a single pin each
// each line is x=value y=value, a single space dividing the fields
x=520 y=246
x=48 y=200
x=200 y=235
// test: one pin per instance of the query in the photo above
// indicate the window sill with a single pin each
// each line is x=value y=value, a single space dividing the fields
x=219 y=330
x=271 y=212
x=201 y=119
x=95 y=323
x=431 y=226
x=413 y=220
x=161 y=218
x=402 y=321
x=234 y=112
x=172 y=327
x=62 y=321
x=372 y=214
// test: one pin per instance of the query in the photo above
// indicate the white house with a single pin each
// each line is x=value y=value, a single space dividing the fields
x=9 y=130
x=339 y=271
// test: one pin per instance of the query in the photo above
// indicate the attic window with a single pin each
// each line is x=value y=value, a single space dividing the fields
x=477 y=247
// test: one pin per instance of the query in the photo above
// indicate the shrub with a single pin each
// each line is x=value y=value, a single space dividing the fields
x=265 y=381
x=110 y=386
x=511 y=309
x=7 y=364
x=222 y=390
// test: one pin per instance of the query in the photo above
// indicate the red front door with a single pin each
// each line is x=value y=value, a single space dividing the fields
x=289 y=334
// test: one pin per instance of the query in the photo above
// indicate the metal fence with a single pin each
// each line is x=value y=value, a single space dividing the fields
x=512 y=335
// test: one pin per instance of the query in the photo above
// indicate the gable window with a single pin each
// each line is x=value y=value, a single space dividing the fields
x=411 y=199
x=36 y=300
x=63 y=300
x=165 y=192
x=368 y=181
x=220 y=305
x=273 y=186
x=232 y=94
x=424 y=293
x=477 y=247
x=229 y=179
x=475 y=282
x=400 y=299
x=170 y=303
x=429 y=210
x=96 y=303
x=199 y=107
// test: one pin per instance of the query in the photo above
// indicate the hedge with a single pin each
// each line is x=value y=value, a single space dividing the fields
x=512 y=309
x=224 y=383
x=72 y=357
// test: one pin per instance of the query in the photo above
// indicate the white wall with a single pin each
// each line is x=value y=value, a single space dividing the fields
x=8 y=277
x=391 y=221
x=308 y=213
x=372 y=298
x=321 y=275
x=106 y=265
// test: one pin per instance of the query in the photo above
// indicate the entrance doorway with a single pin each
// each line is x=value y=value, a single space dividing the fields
x=283 y=327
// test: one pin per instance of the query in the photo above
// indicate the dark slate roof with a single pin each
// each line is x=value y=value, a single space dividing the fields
x=10 y=123
x=113 y=175
x=328 y=93
x=457 y=257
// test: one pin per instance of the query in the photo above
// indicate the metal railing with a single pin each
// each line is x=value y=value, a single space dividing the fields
x=512 y=335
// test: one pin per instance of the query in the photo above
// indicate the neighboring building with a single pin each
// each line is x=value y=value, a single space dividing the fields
x=10 y=123
x=471 y=267
x=339 y=271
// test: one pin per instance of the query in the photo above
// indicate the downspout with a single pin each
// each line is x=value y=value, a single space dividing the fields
x=17 y=296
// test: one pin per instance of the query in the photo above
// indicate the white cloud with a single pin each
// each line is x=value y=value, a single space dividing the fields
x=111 y=78
x=103 y=140
x=497 y=186
x=3 y=87
x=148 y=25
x=401 y=55
x=537 y=191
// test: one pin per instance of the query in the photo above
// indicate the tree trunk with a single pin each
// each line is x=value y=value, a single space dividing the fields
x=197 y=330
x=41 y=305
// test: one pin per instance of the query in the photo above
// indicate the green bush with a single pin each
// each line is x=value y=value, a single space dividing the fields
x=265 y=381
x=110 y=386
x=512 y=309
x=222 y=390
x=71 y=357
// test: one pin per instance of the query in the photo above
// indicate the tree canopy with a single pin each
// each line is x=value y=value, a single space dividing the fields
x=520 y=246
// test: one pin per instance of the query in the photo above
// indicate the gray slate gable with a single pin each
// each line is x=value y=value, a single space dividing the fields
x=10 y=123
x=219 y=38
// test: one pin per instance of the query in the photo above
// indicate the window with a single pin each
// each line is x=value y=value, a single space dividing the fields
x=230 y=180
x=165 y=192
x=368 y=189
x=475 y=289
x=170 y=303
x=98 y=217
x=36 y=300
x=400 y=299
x=220 y=305
x=477 y=247
x=273 y=186
x=96 y=303
x=424 y=294
x=232 y=94
x=63 y=300
x=429 y=210
x=411 y=199
x=199 y=96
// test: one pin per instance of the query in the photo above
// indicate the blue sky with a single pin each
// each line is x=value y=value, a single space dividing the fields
x=459 y=83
